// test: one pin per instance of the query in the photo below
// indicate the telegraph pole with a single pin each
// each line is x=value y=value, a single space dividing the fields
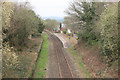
x=60 y=26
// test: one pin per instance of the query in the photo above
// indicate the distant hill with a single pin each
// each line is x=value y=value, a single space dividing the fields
x=59 y=19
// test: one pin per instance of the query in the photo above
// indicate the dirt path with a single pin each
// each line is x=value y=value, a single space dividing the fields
x=59 y=64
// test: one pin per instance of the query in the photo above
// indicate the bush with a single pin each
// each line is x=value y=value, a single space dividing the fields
x=18 y=22
x=89 y=37
x=36 y=34
x=10 y=60
x=109 y=33
x=23 y=23
x=64 y=32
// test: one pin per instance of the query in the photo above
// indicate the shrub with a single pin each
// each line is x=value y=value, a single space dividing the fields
x=109 y=33
x=10 y=60
x=64 y=32
x=36 y=34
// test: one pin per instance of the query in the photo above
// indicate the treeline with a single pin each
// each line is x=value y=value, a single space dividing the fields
x=19 y=22
x=97 y=24
x=50 y=24
x=22 y=22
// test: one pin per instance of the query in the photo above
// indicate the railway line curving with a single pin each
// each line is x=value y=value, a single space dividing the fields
x=62 y=63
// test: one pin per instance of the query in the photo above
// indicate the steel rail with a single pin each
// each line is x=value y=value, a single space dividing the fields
x=56 y=42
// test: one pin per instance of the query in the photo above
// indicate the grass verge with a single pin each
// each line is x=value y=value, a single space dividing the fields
x=79 y=61
x=42 y=60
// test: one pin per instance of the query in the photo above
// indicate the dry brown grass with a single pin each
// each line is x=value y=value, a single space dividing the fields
x=94 y=62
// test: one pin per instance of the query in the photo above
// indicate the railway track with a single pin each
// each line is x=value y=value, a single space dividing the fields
x=63 y=65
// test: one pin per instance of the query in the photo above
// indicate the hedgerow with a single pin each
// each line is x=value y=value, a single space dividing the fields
x=109 y=33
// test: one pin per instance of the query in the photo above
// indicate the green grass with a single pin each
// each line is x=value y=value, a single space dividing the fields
x=85 y=70
x=72 y=51
x=42 y=60
x=79 y=59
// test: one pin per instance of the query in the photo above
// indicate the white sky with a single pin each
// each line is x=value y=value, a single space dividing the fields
x=47 y=8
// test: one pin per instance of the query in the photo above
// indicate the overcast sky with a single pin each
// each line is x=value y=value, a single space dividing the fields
x=47 y=8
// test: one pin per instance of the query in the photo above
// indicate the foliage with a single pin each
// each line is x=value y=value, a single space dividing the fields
x=7 y=10
x=109 y=32
x=9 y=57
x=10 y=61
x=65 y=32
x=18 y=22
x=50 y=24
x=24 y=22
x=96 y=23
x=83 y=15
x=41 y=27
x=70 y=22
